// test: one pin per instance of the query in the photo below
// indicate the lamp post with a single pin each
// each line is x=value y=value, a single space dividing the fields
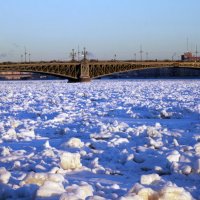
x=115 y=56
x=173 y=56
x=29 y=57
x=21 y=58
x=73 y=54
x=141 y=52
x=78 y=53
x=196 y=52
x=135 y=56
x=147 y=54
x=85 y=53
x=25 y=53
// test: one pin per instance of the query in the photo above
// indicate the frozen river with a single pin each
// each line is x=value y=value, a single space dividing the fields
x=107 y=139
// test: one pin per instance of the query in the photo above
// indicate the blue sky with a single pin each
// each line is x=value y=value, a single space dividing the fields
x=51 y=28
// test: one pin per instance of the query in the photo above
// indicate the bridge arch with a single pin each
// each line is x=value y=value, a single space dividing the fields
x=140 y=69
x=156 y=72
x=99 y=70
x=54 y=69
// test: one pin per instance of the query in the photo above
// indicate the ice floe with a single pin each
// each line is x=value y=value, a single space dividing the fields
x=107 y=139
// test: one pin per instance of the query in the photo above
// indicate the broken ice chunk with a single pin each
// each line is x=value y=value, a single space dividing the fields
x=149 y=179
x=70 y=160
x=173 y=156
x=78 y=192
x=174 y=193
x=74 y=143
x=50 y=189
x=4 y=175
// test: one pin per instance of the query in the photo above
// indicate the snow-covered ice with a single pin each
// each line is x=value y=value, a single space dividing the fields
x=107 y=139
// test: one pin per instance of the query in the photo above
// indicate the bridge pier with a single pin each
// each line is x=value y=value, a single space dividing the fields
x=84 y=79
x=84 y=75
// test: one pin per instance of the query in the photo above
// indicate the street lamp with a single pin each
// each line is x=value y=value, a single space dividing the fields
x=73 y=54
x=78 y=53
x=147 y=54
x=29 y=57
x=21 y=58
x=85 y=53
x=196 y=52
x=173 y=56
x=135 y=56
x=141 y=52
x=115 y=56
x=25 y=53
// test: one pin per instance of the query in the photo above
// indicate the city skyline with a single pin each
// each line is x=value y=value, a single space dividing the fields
x=108 y=29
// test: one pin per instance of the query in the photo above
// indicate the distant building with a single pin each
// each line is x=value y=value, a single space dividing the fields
x=25 y=76
x=188 y=56
x=15 y=75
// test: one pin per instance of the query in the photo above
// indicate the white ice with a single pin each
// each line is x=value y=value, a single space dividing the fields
x=107 y=139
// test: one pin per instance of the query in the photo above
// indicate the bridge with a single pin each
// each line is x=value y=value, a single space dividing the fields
x=86 y=70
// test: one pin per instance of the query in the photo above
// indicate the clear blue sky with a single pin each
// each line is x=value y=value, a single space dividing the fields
x=51 y=28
